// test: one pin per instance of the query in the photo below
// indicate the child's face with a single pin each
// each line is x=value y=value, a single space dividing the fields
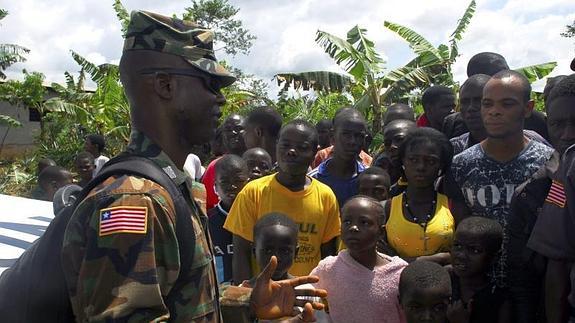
x=279 y=241
x=373 y=185
x=427 y=305
x=295 y=150
x=229 y=184
x=469 y=256
x=360 y=228
x=259 y=164
x=85 y=168
x=349 y=138
x=421 y=165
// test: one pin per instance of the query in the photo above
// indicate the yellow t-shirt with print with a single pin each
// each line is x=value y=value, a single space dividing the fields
x=314 y=209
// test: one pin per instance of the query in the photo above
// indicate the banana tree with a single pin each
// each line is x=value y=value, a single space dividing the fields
x=357 y=56
x=432 y=65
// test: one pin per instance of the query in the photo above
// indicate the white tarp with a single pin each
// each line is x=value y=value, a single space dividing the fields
x=22 y=221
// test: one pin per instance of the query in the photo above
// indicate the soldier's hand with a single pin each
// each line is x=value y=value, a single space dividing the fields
x=275 y=299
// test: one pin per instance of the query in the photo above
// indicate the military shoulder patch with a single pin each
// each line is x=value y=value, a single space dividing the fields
x=123 y=219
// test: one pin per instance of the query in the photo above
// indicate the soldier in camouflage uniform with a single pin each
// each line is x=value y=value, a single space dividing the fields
x=120 y=253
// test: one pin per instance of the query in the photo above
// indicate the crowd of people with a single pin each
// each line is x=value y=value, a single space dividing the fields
x=458 y=217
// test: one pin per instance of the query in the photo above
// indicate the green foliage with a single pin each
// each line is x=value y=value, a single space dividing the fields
x=568 y=33
x=122 y=14
x=17 y=176
x=537 y=72
x=105 y=111
x=218 y=15
x=28 y=93
x=317 y=80
x=310 y=107
x=9 y=121
x=10 y=53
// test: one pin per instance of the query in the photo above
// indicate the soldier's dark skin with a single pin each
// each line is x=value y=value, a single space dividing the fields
x=178 y=112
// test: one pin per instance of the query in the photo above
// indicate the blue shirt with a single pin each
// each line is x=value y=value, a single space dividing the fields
x=343 y=188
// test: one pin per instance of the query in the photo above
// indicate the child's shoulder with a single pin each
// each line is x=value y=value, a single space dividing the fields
x=325 y=265
x=394 y=263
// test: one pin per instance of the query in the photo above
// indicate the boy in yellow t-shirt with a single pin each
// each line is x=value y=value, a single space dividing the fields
x=308 y=202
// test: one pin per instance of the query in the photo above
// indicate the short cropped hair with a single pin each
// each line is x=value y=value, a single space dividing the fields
x=525 y=85
x=374 y=170
x=489 y=231
x=565 y=88
x=479 y=79
x=432 y=94
x=550 y=84
x=486 y=63
x=51 y=173
x=423 y=274
x=307 y=125
x=371 y=200
x=267 y=118
x=347 y=114
x=427 y=135
x=98 y=141
x=85 y=155
x=275 y=218
x=230 y=162
x=326 y=123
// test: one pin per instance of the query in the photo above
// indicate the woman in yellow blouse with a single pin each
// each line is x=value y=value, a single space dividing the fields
x=419 y=222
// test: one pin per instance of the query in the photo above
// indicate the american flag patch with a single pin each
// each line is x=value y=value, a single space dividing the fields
x=123 y=219
x=556 y=194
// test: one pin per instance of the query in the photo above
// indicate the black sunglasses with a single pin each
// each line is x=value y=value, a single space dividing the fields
x=211 y=83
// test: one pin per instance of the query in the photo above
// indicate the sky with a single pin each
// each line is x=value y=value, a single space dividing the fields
x=524 y=32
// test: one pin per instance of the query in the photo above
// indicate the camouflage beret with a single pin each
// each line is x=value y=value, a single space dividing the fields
x=151 y=31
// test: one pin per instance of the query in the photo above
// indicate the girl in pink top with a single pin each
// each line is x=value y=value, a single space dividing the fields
x=362 y=284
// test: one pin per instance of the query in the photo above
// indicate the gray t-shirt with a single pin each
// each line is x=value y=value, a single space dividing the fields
x=487 y=186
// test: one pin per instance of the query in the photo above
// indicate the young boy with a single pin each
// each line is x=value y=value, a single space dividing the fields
x=231 y=176
x=232 y=130
x=275 y=234
x=475 y=298
x=308 y=202
x=84 y=165
x=95 y=145
x=323 y=128
x=374 y=182
x=51 y=179
x=424 y=292
x=259 y=162
x=37 y=193
x=341 y=171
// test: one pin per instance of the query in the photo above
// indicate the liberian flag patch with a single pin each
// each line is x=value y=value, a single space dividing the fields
x=123 y=219
x=556 y=194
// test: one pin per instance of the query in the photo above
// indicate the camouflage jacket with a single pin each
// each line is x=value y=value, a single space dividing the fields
x=121 y=259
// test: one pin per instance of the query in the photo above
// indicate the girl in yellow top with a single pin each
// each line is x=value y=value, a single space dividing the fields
x=419 y=222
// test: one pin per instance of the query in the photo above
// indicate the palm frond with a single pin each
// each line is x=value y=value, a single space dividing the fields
x=536 y=72
x=344 y=54
x=416 y=42
x=9 y=121
x=356 y=36
x=316 y=80
x=462 y=24
x=122 y=14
